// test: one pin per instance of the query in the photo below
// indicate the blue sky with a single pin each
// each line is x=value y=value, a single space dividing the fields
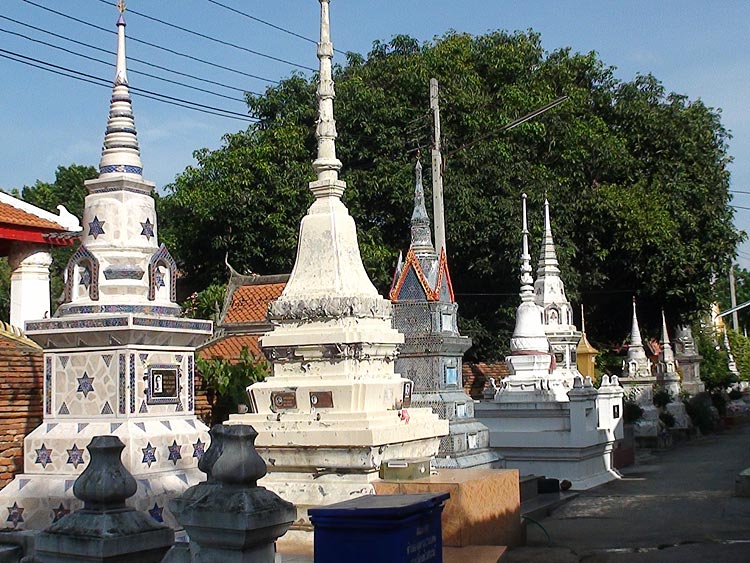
x=697 y=48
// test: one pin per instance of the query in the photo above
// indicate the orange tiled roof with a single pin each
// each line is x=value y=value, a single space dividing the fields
x=229 y=347
x=250 y=302
x=13 y=216
x=497 y=370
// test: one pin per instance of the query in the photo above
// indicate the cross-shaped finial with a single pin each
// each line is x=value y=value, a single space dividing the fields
x=121 y=6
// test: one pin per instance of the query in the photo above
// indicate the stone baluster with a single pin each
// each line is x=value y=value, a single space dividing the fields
x=105 y=529
x=229 y=518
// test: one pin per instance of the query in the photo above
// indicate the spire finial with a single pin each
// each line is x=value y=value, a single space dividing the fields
x=635 y=330
x=121 y=153
x=664 y=331
x=583 y=320
x=527 y=282
x=326 y=165
x=421 y=237
x=548 y=264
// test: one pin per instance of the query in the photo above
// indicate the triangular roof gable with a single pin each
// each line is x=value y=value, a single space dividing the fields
x=444 y=284
x=411 y=264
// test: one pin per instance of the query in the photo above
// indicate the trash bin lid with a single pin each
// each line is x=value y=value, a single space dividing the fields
x=382 y=506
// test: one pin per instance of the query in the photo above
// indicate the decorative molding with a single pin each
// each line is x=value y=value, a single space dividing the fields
x=162 y=257
x=329 y=307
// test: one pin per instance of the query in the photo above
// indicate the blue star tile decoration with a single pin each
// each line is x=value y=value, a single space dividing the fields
x=85 y=278
x=174 y=452
x=75 y=456
x=59 y=512
x=96 y=227
x=198 y=449
x=148 y=229
x=15 y=514
x=155 y=513
x=159 y=275
x=85 y=384
x=149 y=454
x=43 y=456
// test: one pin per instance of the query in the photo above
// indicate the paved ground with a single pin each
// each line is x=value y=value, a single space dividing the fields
x=673 y=506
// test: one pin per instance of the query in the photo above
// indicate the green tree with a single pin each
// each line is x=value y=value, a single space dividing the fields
x=636 y=177
x=4 y=290
x=742 y=293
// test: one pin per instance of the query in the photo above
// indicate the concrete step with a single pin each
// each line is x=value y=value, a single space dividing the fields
x=542 y=505
x=474 y=554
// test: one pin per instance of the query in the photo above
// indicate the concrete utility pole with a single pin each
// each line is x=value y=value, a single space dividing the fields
x=733 y=299
x=437 y=170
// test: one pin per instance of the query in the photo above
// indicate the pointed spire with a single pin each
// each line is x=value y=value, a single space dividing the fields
x=527 y=282
x=635 y=330
x=326 y=165
x=548 y=264
x=664 y=331
x=120 y=154
x=421 y=237
x=583 y=320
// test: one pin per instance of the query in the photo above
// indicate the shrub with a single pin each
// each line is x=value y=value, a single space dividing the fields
x=735 y=394
x=720 y=402
x=667 y=418
x=662 y=398
x=701 y=414
x=631 y=412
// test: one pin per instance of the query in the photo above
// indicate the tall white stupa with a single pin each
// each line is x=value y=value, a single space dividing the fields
x=557 y=312
x=538 y=425
x=334 y=408
x=118 y=359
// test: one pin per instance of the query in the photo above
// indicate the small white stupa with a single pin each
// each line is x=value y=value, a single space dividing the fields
x=531 y=363
x=669 y=380
x=118 y=359
x=334 y=408
x=639 y=382
x=689 y=360
x=557 y=312
x=537 y=425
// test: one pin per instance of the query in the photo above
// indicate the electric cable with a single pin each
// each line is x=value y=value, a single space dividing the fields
x=264 y=22
x=104 y=82
x=214 y=39
x=109 y=64
x=154 y=45
x=130 y=58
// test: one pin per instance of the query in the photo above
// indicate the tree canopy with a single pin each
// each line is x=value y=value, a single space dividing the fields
x=636 y=178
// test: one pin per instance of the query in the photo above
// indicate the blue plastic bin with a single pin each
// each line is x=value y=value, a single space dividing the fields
x=380 y=529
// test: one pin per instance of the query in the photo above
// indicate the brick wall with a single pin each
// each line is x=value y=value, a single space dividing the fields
x=21 y=383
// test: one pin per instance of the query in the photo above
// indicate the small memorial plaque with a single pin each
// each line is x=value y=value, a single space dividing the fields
x=163 y=385
x=283 y=400
x=615 y=411
x=408 y=386
x=321 y=399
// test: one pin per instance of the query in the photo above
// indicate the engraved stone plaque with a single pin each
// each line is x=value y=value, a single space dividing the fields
x=163 y=385
x=321 y=399
x=408 y=386
x=283 y=400
x=615 y=411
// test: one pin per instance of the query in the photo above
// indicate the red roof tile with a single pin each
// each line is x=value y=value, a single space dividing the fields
x=13 y=216
x=229 y=348
x=250 y=302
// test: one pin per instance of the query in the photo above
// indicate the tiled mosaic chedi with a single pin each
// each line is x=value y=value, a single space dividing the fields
x=118 y=360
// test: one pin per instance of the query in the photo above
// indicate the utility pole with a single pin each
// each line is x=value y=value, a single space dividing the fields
x=438 y=208
x=733 y=299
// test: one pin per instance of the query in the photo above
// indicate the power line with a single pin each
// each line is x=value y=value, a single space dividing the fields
x=214 y=39
x=264 y=22
x=154 y=45
x=109 y=64
x=739 y=207
x=130 y=58
x=739 y=192
x=107 y=86
x=146 y=93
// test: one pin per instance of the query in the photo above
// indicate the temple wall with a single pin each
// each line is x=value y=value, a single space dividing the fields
x=21 y=379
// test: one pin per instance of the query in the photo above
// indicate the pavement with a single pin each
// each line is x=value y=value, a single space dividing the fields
x=674 y=505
